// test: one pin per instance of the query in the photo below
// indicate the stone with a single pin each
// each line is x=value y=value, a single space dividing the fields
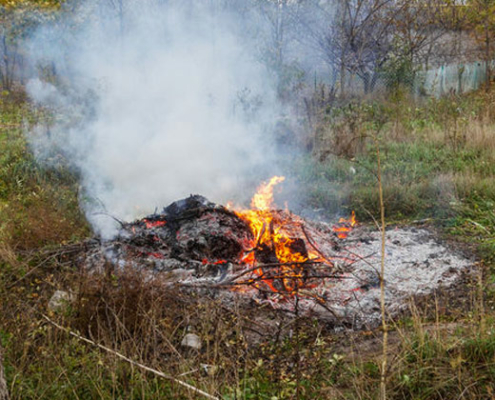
x=209 y=370
x=60 y=300
x=191 y=340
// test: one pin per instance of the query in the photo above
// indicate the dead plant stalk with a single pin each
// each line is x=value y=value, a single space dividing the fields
x=4 y=393
x=135 y=363
x=383 y=383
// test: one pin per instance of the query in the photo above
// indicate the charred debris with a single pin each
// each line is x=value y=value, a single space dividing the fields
x=293 y=265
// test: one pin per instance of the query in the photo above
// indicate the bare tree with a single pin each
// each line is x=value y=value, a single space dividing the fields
x=359 y=37
x=9 y=49
x=277 y=17
x=353 y=36
x=416 y=28
x=16 y=23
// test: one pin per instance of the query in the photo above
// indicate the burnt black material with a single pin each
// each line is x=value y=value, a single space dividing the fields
x=191 y=229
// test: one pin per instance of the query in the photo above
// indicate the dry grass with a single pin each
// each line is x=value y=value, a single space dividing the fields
x=248 y=351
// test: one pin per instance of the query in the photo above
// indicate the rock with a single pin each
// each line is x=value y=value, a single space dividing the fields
x=60 y=300
x=191 y=340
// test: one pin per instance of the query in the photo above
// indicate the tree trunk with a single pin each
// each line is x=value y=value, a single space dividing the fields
x=4 y=393
x=342 y=79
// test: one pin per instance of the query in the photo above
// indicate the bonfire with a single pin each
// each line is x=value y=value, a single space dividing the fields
x=272 y=256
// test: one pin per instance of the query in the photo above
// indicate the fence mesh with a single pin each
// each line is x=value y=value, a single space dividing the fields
x=437 y=82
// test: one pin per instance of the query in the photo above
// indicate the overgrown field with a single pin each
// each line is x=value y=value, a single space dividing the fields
x=438 y=169
x=438 y=159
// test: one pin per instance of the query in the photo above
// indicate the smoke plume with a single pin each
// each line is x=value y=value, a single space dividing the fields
x=152 y=103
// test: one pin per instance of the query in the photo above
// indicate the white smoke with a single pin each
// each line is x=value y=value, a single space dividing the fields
x=154 y=104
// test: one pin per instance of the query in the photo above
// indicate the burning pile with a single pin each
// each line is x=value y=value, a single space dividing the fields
x=273 y=256
x=271 y=249
x=278 y=243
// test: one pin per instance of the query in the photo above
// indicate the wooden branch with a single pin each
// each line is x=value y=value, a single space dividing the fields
x=313 y=245
x=275 y=265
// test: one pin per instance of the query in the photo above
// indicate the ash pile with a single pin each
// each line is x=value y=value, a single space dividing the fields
x=315 y=269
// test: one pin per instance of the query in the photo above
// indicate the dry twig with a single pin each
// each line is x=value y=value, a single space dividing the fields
x=135 y=363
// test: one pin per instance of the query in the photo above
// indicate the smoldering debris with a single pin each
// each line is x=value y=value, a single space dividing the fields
x=201 y=246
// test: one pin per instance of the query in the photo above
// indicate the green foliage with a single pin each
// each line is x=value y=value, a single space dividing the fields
x=437 y=158
x=398 y=71
x=480 y=16
x=78 y=372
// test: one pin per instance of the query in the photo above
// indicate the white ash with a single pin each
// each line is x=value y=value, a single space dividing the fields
x=416 y=264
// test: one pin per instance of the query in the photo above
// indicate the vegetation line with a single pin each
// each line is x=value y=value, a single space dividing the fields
x=121 y=356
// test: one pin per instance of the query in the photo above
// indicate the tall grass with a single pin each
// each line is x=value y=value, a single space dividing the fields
x=426 y=171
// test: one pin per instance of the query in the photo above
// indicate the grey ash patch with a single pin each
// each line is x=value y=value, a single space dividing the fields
x=416 y=264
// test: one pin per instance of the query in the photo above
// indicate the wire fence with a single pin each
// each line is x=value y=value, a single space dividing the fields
x=452 y=78
x=437 y=82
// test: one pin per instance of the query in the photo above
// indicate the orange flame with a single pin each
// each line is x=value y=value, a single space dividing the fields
x=276 y=232
x=153 y=224
x=344 y=226
x=263 y=198
x=270 y=231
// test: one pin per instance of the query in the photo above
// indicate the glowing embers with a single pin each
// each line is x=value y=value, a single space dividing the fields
x=205 y=261
x=153 y=224
x=281 y=260
x=271 y=250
